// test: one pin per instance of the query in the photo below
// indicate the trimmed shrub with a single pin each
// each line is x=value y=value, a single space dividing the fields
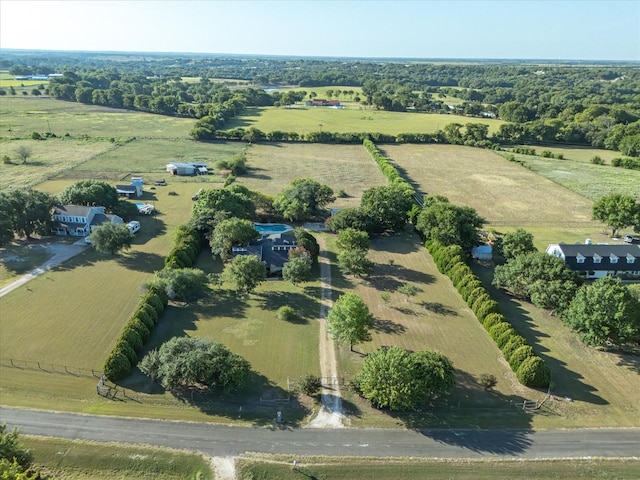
x=142 y=315
x=151 y=298
x=286 y=313
x=515 y=342
x=132 y=337
x=499 y=329
x=458 y=272
x=451 y=264
x=117 y=366
x=493 y=319
x=466 y=287
x=140 y=328
x=129 y=352
x=150 y=311
x=475 y=294
x=505 y=338
x=519 y=355
x=597 y=160
x=533 y=372
x=487 y=308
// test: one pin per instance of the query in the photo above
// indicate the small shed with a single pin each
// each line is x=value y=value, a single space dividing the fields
x=482 y=252
x=181 y=169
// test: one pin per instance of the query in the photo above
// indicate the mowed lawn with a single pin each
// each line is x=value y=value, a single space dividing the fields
x=502 y=192
x=342 y=167
x=435 y=319
x=352 y=118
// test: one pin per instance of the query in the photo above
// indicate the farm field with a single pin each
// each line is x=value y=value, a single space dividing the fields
x=304 y=119
x=20 y=116
x=577 y=174
x=342 y=167
x=504 y=193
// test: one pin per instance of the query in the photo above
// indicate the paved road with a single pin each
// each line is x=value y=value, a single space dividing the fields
x=221 y=441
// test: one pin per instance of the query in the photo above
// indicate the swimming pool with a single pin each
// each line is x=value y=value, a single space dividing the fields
x=269 y=228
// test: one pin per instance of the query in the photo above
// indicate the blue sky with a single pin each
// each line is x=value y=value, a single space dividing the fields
x=549 y=29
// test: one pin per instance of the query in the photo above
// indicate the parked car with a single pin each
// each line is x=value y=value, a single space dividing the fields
x=197 y=195
x=628 y=238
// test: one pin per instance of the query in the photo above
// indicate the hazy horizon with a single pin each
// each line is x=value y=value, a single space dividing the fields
x=465 y=30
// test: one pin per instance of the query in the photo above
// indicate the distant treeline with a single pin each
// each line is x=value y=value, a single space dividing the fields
x=596 y=105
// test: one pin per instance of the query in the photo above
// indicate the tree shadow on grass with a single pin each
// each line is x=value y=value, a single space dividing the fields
x=388 y=326
x=304 y=306
x=439 y=309
x=628 y=360
x=463 y=426
x=565 y=382
x=400 y=243
x=391 y=277
x=141 y=261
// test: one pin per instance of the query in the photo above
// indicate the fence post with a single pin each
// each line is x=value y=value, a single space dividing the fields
x=11 y=360
x=39 y=366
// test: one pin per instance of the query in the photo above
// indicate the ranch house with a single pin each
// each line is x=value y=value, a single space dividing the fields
x=273 y=249
x=79 y=221
x=596 y=261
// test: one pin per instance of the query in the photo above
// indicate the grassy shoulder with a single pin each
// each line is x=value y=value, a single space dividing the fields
x=413 y=468
x=74 y=459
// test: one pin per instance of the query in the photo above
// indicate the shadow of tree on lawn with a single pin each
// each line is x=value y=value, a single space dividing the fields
x=439 y=309
x=388 y=326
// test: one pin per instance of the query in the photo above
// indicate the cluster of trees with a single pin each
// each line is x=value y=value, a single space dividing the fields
x=595 y=105
x=304 y=199
x=396 y=379
x=618 y=211
x=15 y=460
x=192 y=362
x=601 y=313
x=352 y=257
x=25 y=213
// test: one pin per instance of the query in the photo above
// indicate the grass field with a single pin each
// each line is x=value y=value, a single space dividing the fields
x=353 y=118
x=342 y=167
x=577 y=174
x=69 y=460
x=20 y=116
x=412 y=468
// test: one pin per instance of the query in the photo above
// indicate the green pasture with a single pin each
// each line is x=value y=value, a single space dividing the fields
x=19 y=117
x=415 y=468
x=342 y=167
x=48 y=159
x=353 y=118
x=75 y=459
x=143 y=156
x=577 y=174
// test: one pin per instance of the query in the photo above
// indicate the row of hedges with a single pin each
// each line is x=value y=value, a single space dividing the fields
x=187 y=244
x=124 y=356
x=628 y=163
x=385 y=166
x=530 y=369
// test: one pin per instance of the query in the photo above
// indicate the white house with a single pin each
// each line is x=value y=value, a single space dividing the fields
x=190 y=168
x=79 y=221
x=599 y=260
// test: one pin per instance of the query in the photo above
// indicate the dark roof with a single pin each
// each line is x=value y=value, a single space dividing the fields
x=588 y=250
x=628 y=257
x=274 y=257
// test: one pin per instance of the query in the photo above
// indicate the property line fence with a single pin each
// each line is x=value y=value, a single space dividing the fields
x=49 y=367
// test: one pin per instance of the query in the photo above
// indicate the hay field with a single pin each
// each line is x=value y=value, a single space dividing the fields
x=342 y=167
x=49 y=158
x=20 y=116
x=352 y=118
x=502 y=192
